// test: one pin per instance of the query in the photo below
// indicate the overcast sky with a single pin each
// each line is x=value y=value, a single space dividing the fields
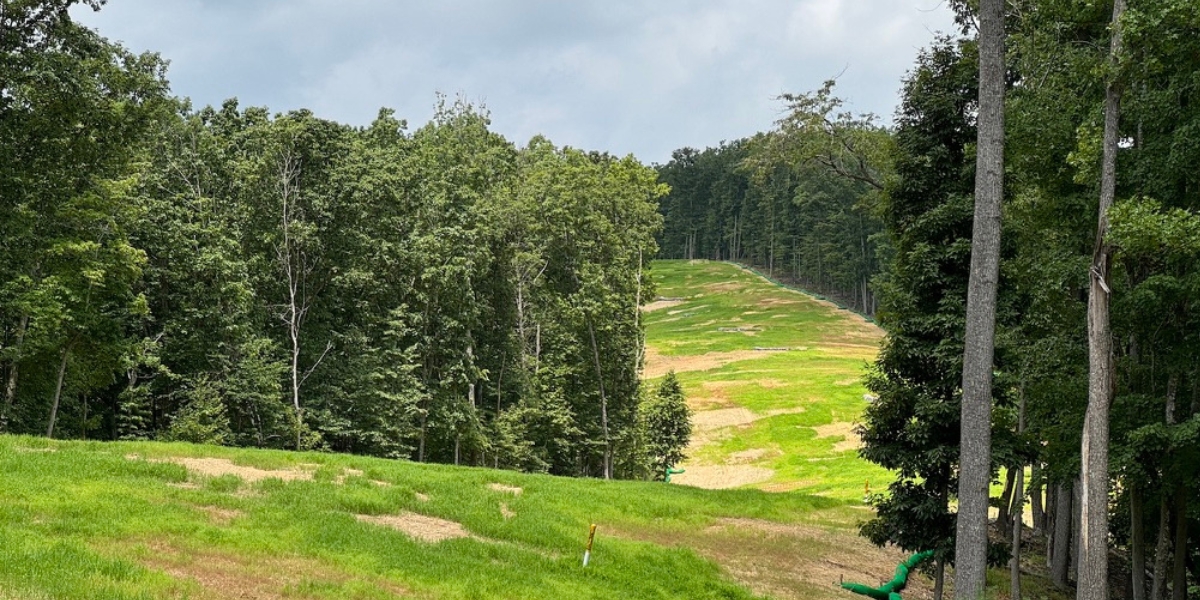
x=626 y=76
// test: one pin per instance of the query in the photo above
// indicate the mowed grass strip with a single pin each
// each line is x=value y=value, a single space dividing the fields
x=774 y=375
x=720 y=307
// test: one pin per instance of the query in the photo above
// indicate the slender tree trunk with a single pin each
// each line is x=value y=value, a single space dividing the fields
x=1051 y=519
x=1162 y=551
x=500 y=382
x=1179 y=584
x=1137 y=542
x=1094 y=473
x=939 y=580
x=421 y=439
x=1059 y=560
x=1162 y=545
x=1036 y=503
x=10 y=387
x=471 y=386
x=1015 y=561
x=295 y=337
x=975 y=461
x=608 y=458
x=1018 y=510
x=1076 y=528
x=62 y=372
x=1003 y=512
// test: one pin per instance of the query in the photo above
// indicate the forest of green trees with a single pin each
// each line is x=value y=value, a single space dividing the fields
x=799 y=202
x=227 y=275
x=831 y=200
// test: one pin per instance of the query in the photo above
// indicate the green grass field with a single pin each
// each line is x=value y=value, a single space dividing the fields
x=127 y=520
x=119 y=520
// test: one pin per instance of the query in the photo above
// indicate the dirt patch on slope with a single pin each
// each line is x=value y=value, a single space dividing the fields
x=657 y=364
x=419 y=527
x=661 y=304
x=749 y=456
x=709 y=420
x=720 y=477
x=505 y=489
x=222 y=575
x=803 y=561
x=850 y=439
x=217 y=467
x=724 y=286
x=790 y=561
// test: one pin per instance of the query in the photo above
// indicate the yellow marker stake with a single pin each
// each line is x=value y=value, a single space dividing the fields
x=587 y=553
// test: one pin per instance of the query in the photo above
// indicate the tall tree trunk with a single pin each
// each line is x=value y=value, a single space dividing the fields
x=1162 y=545
x=1060 y=557
x=1036 y=503
x=1137 y=542
x=939 y=580
x=1179 y=584
x=1003 y=512
x=1051 y=511
x=1162 y=551
x=1093 y=557
x=421 y=438
x=975 y=462
x=1018 y=510
x=608 y=457
x=62 y=372
x=10 y=387
x=1076 y=528
x=294 y=331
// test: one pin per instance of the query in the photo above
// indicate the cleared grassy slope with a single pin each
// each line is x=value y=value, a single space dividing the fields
x=741 y=343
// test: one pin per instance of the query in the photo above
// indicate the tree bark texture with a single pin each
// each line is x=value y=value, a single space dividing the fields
x=1162 y=545
x=1004 y=511
x=1162 y=551
x=62 y=372
x=1076 y=531
x=1015 y=562
x=1018 y=511
x=1060 y=556
x=975 y=461
x=608 y=457
x=1137 y=542
x=1036 y=503
x=1093 y=557
x=939 y=580
x=1179 y=573
x=1051 y=504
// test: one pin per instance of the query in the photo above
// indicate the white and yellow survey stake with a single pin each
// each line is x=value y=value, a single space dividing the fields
x=587 y=552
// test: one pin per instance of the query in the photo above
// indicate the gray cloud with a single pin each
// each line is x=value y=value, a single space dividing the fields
x=624 y=76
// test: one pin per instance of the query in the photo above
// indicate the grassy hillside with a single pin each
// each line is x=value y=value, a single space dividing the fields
x=152 y=520
x=773 y=375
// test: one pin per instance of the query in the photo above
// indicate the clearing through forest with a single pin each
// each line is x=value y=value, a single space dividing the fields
x=773 y=375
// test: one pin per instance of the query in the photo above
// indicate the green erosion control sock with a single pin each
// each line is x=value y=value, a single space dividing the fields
x=891 y=590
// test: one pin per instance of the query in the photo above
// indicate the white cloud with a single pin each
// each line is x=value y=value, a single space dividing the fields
x=617 y=75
